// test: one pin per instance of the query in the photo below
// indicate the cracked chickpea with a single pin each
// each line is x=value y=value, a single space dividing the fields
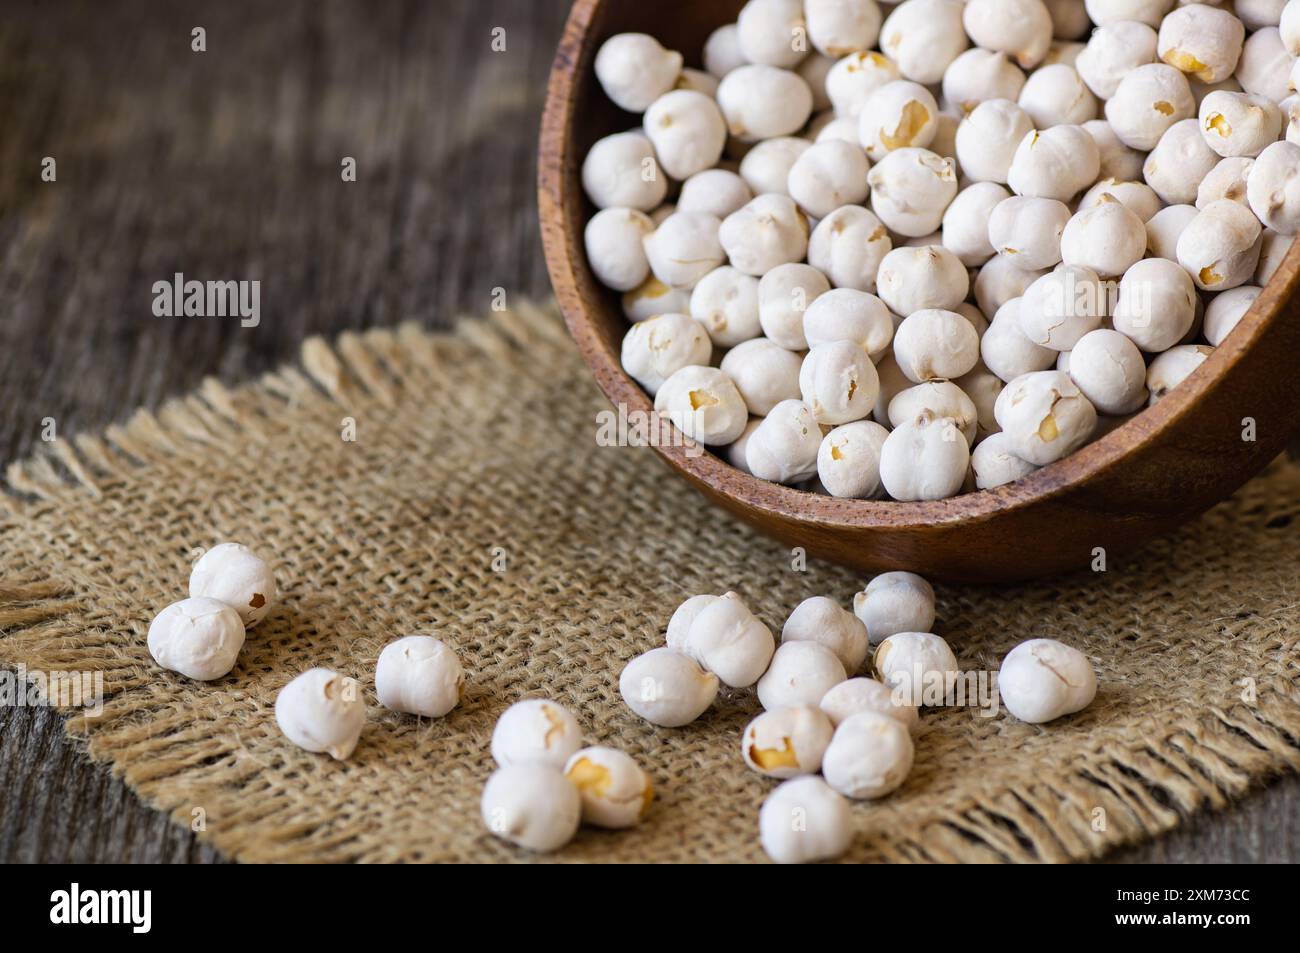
x=652 y=298
x=803 y=821
x=785 y=294
x=1062 y=306
x=234 y=574
x=533 y=806
x=979 y=75
x=666 y=687
x=839 y=382
x=764 y=372
x=621 y=171
x=1273 y=188
x=1202 y=41
x=614 y=791
x=827 y=176
x=987 y=139
x=419 y=675
x=1043 y=679
x=1108 y=369
x=536 y=731
x=704 y=404
x=1020 y=28
x=924 y=458
x=848 y=460
x=764 y=102
x=870 y=755
x=199 y=637
x=898 y=115
x=844 y=314
x=848 y=246
x=895 y=602
x=787 y=742
x=923 y=37
x=934 y=344
x=911 y=189
x=1148 y=100
x=1056 y=163
x=767 y=232
x=687 y=130
x=823 y=620
x=1173 y=367
x=1028 y=230
x=725 y=302
x=321 y=710
x=856 y=695
x=1239 y=124
x=1045 y=416
x=1227 y=180
x=1108 y=238
x=783 y=448
x=1220 y=247
x=656 y=349
x=1156 y=304
x=801 y=673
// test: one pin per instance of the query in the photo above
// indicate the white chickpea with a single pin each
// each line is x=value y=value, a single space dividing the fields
x=842 y=130
x=839 y=382
x=687 y=131
x=634 y=70
x=1107 y=238
x=848 y=460
x=1273 y=188
x=923 y=37
x=994 y=464
x=234 y=574
x=1138 y=197
x=766 y=167
x=845 y=314
x=199 y=637
x=1007 y=351
x=915 y=279
x=942 y=399
x=911 y=189
x=966 y=222
x=895 y=602
x=981 y=387
x=1108 y=369
x=764 y=372
x=1056 y=163
x=801 y=673
x=722 y=51
x=848 y=246
x=735 y=452
x=613 y=239
x=1225 y=311
x=419 y=675
x=684 y=248
x=1118 y=161
x=855 y=695
x=1288 y=27
x=1227 y=180
x=652 y=298
x=804 y=820
x=829 y=175
x=1021 y=28
x=823 y=620
x=979 y=75
x=837 y=28
x=615 y=792
x=1164 y=228
x=1043 y=679
x=1150 y=12
x=667 y=688
x=1055 y=95
x=725 y=302
x=772 y=32
x=1156 y=305
x=787 y=742
x=784 y=296
x=704 y=404
x=620 y=171
x=1256 y=14
x=1062 y=306
x=1179 y=162
x=1148 y=100
x=1202 y=41
x=763 y=102
x=1173 y=367
x=988 y=137
x=698 y=81
x=716 y=192
x=1265 y=65
x=898 y=115
x=854 y=79
x=1220 y=247
x=919 y=666
x=1045 y=416
x=869 y=756
x=536 y=731
x=924 y=458
x=531 y=805
x=1028 y=231
x=769 y=231
x=1272 y=250
x=934 y=344
x=813 y=70
x=1239 y=124
x=1113 y=51
x=783 y=448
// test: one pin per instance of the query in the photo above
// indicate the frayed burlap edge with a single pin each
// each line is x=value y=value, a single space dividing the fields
x=1188 y=764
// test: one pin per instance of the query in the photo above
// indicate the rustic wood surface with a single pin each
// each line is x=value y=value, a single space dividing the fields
x=226 y=165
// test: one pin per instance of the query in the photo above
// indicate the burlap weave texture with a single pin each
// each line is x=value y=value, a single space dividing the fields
x=480 y=447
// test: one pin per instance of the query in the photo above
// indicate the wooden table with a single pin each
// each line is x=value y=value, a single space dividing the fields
x=226 y=164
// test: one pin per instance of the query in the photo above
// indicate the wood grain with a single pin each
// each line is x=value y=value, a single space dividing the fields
x=1160 y=469
x=226 y=165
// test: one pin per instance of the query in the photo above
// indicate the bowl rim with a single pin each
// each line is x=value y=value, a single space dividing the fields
x=559 y=185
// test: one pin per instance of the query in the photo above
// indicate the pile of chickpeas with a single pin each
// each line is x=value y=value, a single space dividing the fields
x=911 y=250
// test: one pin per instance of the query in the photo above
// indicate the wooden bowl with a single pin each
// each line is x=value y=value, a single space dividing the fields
x=1171 y=462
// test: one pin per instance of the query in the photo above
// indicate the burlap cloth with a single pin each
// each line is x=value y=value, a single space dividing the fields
x=480 y=446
